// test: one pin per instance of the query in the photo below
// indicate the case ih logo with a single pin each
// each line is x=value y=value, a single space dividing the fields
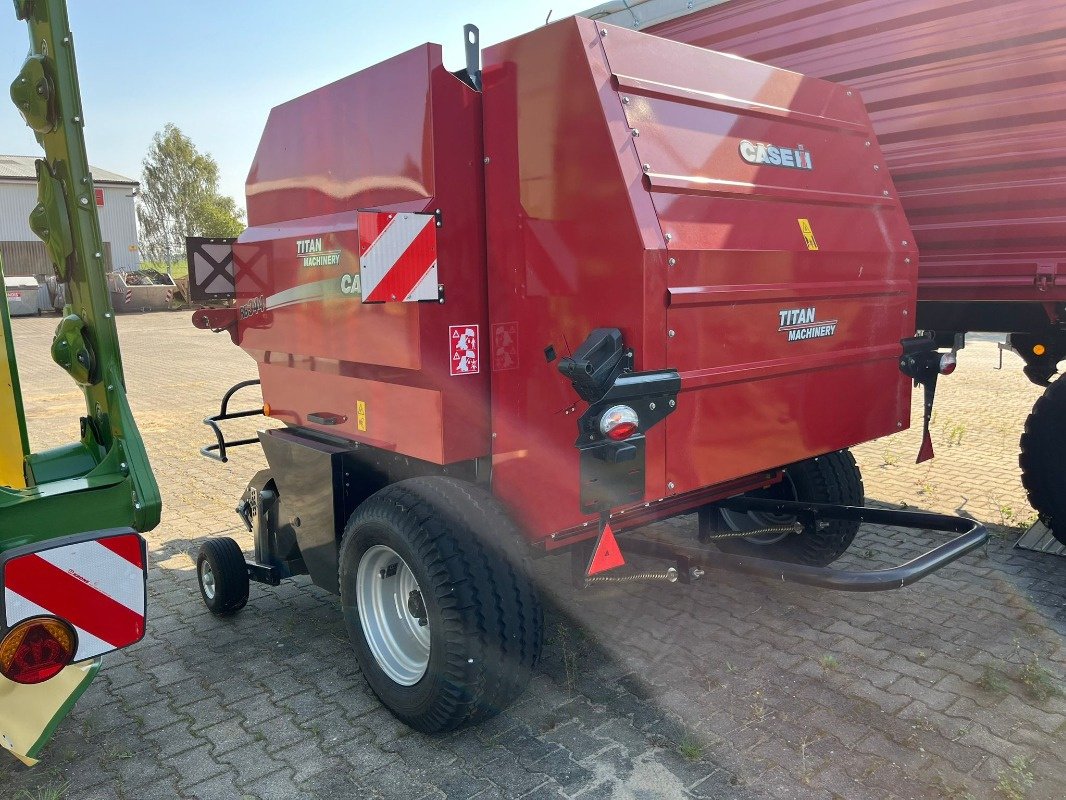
x=312 y=255
x=802 y=323
x=762 y=153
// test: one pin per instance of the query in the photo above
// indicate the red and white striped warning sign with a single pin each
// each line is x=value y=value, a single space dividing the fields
x=129 y=295
x=97 y=586
x=397 y=256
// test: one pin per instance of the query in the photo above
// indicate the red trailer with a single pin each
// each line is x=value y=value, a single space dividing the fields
x=605 y=280
x=966 y=100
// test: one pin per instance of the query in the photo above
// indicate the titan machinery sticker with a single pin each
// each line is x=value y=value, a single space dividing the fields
x=465 y=349
x=803 y=323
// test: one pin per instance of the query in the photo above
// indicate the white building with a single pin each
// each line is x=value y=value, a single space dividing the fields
x=24 y=254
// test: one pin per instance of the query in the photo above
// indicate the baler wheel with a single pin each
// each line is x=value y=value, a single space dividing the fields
x=1043 y=458
x=223 y=576
x=464 y=582
x=832 y=478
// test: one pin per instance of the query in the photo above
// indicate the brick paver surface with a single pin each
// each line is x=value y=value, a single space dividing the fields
x=731 y=688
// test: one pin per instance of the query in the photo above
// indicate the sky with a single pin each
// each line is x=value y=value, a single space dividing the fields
x=215 y=68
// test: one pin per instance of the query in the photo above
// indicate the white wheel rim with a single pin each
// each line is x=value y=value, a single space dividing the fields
x=207 y=580
x=389 y=598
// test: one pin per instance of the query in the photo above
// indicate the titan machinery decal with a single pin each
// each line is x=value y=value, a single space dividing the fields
x=311 y=253
x=775 y=155
x=803 y=323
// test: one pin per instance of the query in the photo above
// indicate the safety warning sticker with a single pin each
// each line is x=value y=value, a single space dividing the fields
x=465 y=349
x=504 y=346
x=808 y=234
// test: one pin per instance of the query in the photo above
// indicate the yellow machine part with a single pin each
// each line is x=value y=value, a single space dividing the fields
x=12 y=432
x=29 y=714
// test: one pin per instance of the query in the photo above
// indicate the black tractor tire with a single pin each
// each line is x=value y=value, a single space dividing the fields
x=1042 y=458
x=483 y=612
x=832 y=478
x=222 y=575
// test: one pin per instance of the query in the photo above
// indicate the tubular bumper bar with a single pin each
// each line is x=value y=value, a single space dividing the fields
x=217 y=451
x=972 y=535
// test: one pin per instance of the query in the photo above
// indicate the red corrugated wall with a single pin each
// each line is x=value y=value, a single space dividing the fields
x=969 y=103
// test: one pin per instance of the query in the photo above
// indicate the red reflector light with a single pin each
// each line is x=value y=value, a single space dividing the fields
x=619 y=422
x=947 y=363
x=37 y=649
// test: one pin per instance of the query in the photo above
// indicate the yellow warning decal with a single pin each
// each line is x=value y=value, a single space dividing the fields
x=360 y=414
x=808 y=234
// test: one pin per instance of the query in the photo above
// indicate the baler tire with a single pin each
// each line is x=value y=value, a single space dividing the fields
x=1042 y=458
x=484 y=613
x=831 y=478
x=229 y=591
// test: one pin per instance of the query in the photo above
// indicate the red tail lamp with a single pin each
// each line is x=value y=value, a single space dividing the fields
x=947 y=363
x=619 y=422
x=37 y=649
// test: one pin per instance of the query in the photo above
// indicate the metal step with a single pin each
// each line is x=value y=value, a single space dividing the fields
x=1041 y=540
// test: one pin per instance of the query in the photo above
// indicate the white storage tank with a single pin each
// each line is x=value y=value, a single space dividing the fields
x=23 y=296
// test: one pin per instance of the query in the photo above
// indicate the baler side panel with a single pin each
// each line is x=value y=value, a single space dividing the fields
x=574 y=244
x=818 y=235
x=401 y=137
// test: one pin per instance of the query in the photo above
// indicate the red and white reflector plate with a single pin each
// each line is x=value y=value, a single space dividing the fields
x=97 y=585
x=607 y=554
x=397 y=257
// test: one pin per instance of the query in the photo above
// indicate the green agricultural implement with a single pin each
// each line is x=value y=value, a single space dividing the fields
x=72 y=560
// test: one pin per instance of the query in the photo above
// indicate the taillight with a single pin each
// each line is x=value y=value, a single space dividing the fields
x=947 y=364
x=37 y=649
x=619 y=422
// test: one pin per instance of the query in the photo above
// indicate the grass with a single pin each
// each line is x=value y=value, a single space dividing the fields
x=690 y=749
x=179 y=269
x=1014 y=782
x=1038 y=681
x=829 y=662
x=57 y=792
x=992 y=680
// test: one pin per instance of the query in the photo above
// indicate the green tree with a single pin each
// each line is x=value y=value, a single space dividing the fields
x=179 y=197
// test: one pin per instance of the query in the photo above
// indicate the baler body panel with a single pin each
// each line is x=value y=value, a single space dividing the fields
x=612 y=154
x=966 y=101
x=402 y=137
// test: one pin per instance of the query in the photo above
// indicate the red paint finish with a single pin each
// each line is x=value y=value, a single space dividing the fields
x=617 y=196
x=966 y=99
x=402 y=136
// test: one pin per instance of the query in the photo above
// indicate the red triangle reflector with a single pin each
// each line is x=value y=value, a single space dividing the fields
x=607 y=555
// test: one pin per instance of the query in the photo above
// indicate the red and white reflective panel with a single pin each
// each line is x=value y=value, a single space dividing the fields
x=97 y=586
x=397 y=256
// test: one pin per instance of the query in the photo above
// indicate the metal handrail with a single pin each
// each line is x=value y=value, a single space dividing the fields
x=217 y=451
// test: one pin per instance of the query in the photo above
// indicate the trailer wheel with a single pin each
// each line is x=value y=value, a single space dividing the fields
x=223 y=576
x=1043 y=458
x=832 y=478
x=442 y=614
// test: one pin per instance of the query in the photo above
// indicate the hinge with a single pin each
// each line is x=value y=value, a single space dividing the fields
x=1045 y=276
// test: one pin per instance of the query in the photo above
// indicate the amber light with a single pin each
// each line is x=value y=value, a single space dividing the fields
x=266 y=409
x=1039 y=349
x=37 y=649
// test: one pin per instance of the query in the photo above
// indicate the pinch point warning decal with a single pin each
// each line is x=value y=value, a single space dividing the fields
x=465 y=349
x=808 y=234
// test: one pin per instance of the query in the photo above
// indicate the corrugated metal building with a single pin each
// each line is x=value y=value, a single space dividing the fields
x=24 y=253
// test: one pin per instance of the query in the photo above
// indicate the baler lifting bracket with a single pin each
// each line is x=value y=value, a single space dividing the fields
x=693 y=560
x=217 y=451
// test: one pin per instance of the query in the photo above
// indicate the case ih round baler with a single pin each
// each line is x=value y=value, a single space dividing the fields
x=606 y=280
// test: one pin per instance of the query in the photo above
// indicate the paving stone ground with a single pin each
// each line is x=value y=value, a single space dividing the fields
x=731 y=688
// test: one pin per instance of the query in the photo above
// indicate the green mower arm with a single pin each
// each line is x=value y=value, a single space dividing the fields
x=70 y=517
